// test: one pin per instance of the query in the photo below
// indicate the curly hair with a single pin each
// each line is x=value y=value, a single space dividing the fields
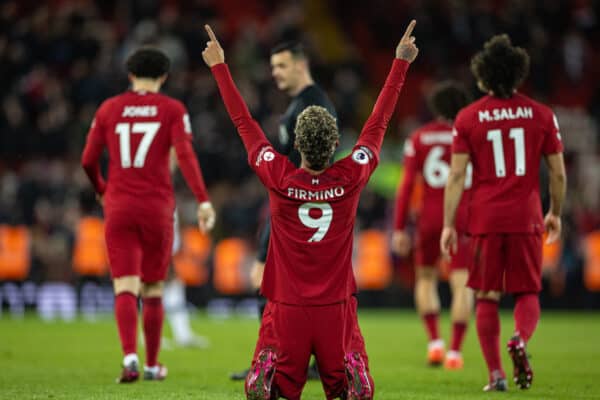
x=500 y=66
x=316 y=136
x=447 y=98
x=148 y=62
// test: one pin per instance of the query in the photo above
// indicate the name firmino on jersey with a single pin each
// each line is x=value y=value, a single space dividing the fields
x=140 y=111
x=500 y=114
x=319 y=195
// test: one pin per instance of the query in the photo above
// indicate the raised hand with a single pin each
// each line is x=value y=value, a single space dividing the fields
x=406 y=49
x=213 y=53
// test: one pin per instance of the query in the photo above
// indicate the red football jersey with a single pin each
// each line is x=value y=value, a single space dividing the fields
x=139 y=129
x=309 y=259
x=427 y=152
x=506 y=139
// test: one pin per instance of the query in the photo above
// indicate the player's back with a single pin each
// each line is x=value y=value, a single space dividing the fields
x=137 y=129
x=310 y=253
x=506 y=139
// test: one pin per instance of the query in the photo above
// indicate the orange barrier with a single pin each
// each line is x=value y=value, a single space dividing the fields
x=89 y=251
x=591 y=272
x=190 y=261
x=230 y=258
x=373 y=266
x=15 y=253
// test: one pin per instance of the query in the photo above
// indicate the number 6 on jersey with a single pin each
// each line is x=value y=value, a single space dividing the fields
x=321 y=224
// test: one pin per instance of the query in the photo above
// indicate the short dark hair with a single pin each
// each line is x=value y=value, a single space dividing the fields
x=296 y=48
x=447 y=98
x=316 y=134
x=500 y=66
x=148 y=62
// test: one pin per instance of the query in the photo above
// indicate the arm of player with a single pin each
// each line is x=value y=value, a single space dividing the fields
x=90 y=157
x=557 y=188
x=374 y=129
x=406 y=187
x=400 y=239
x=190 y=168
x=452 y=194
x=172 y=160
x=248 y=129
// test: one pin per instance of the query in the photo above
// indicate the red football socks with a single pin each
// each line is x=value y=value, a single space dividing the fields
x=126 y=315
x=488 y=330
x=526 y=314
x=458 y=335
x=153 y=321
x=431 y=321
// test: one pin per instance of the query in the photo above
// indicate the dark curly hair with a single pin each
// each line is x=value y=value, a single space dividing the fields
x=148 y=62
x=316 y=135
x=500 y=66
x=447 y=98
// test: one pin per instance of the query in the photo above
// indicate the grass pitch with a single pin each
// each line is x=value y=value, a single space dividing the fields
x=81 y=360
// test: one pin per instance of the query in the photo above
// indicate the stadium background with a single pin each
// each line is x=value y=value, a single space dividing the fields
x=59 y=59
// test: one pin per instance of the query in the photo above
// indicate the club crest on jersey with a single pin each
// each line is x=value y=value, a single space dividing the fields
x=362 y=155
x=265 y=154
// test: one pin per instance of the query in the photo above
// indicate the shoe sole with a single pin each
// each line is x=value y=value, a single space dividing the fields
x=359 y=386
x=523 y=374
x=258 y=383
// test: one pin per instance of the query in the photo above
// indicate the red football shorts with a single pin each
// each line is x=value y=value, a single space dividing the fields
x=139 y=245
x=296 y=332
x=427 y=251
x=510 y=263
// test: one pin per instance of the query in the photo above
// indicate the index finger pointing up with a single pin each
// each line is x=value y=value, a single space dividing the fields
x=211 y=34
x=409 y=30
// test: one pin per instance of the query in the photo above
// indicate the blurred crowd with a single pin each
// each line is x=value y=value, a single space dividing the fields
x=59 y=59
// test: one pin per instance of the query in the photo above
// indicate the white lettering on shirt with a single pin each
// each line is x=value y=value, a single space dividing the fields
x=318 y=195
x=502 y=114
x=140 y=111
x=430 y=138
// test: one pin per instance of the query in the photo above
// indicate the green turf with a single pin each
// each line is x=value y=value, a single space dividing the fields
x=81 y=361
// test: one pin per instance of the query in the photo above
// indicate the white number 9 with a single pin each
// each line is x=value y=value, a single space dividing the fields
x=321 y=224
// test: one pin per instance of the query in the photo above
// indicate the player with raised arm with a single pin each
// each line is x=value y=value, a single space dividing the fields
x=505 y=135
x=308 y=277
x=427 y=153
x=139 y=127
x=291 y=71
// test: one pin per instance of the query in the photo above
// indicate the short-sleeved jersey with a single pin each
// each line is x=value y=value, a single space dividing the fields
x=139 y=129
x=427 y=153
x=506 y=139
x=309 y=260
x=312 y=95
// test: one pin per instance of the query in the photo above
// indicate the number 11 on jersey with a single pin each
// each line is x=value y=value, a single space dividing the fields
x=518 y=136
